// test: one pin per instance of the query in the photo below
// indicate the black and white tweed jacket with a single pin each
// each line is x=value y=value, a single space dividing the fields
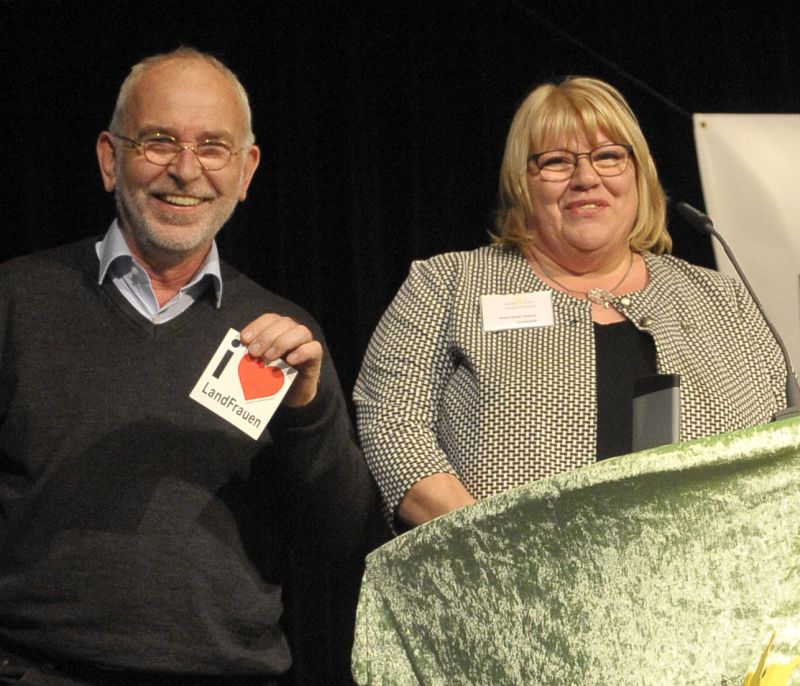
x=437 y=393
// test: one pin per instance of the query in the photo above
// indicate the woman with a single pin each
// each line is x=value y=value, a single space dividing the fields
x=462 y=395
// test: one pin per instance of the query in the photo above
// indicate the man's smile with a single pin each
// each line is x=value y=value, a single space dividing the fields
x=180 y=200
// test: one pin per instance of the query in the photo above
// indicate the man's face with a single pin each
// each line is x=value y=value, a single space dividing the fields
x=176 y=210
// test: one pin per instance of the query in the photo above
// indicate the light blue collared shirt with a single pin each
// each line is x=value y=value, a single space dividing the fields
x=132 y=281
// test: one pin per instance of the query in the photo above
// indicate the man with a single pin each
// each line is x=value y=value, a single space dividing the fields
x=142 y=533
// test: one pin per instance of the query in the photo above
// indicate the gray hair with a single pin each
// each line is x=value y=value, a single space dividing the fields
x=187 y=53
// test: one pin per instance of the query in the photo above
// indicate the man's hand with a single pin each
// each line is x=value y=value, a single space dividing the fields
x=272 y=337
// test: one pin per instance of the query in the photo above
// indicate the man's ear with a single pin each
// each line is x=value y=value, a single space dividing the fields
x=251 y=159
x=107 y=159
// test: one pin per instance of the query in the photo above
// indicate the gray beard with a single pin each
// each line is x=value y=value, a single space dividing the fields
x=151 y=242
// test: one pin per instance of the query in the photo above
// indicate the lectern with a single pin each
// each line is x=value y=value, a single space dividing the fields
x=668 y=566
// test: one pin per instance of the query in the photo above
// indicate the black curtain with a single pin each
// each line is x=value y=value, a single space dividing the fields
x=382 y=125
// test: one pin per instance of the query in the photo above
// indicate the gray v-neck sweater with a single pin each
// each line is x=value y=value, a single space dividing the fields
x=139 y=530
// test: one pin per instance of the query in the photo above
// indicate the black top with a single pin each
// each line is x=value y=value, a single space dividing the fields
x=623 y=354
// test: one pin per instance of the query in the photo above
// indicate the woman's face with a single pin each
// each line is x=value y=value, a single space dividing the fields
x=587 y=216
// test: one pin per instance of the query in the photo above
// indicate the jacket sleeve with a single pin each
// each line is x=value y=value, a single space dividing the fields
x=403 y=377
x=763 y=343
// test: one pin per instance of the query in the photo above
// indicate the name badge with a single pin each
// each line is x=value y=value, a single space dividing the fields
x=517 y=311
x=244 y=390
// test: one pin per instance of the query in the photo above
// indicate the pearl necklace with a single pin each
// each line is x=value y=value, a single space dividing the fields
x=598 y=296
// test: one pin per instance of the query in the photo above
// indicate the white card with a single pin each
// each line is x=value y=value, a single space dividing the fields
x=517 y=311
x=243 y=390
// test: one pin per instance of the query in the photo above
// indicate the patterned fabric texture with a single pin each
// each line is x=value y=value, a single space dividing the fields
x=437 y=393
x=670 y=566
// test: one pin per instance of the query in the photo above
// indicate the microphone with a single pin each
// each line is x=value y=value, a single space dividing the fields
x=702 y=223
x=656 y=411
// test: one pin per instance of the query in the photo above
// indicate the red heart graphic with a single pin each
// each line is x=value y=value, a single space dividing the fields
x=259 y=380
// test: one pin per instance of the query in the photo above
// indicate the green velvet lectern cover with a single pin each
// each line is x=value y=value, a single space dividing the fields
x=670 y=566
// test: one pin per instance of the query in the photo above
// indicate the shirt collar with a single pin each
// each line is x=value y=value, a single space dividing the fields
x=114 y=247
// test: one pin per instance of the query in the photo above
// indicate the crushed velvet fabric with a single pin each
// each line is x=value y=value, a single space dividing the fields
x=668 y=566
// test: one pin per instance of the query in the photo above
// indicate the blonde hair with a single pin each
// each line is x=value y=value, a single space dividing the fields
x=181 y=53
x=553 y=112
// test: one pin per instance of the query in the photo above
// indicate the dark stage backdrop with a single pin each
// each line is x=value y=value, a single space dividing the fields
x=382 y=125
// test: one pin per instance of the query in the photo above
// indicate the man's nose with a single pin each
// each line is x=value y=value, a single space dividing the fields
x=185 y=166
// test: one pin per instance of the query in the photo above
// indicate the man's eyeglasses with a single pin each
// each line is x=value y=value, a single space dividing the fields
x=162 y=149
x=609 y=159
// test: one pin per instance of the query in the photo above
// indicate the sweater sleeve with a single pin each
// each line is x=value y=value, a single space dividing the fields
x=330 y=492
x=402 y=379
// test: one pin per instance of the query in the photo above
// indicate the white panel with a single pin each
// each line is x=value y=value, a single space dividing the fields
x=750 y=171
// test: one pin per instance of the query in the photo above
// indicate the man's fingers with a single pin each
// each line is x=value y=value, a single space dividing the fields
x=273 y=336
